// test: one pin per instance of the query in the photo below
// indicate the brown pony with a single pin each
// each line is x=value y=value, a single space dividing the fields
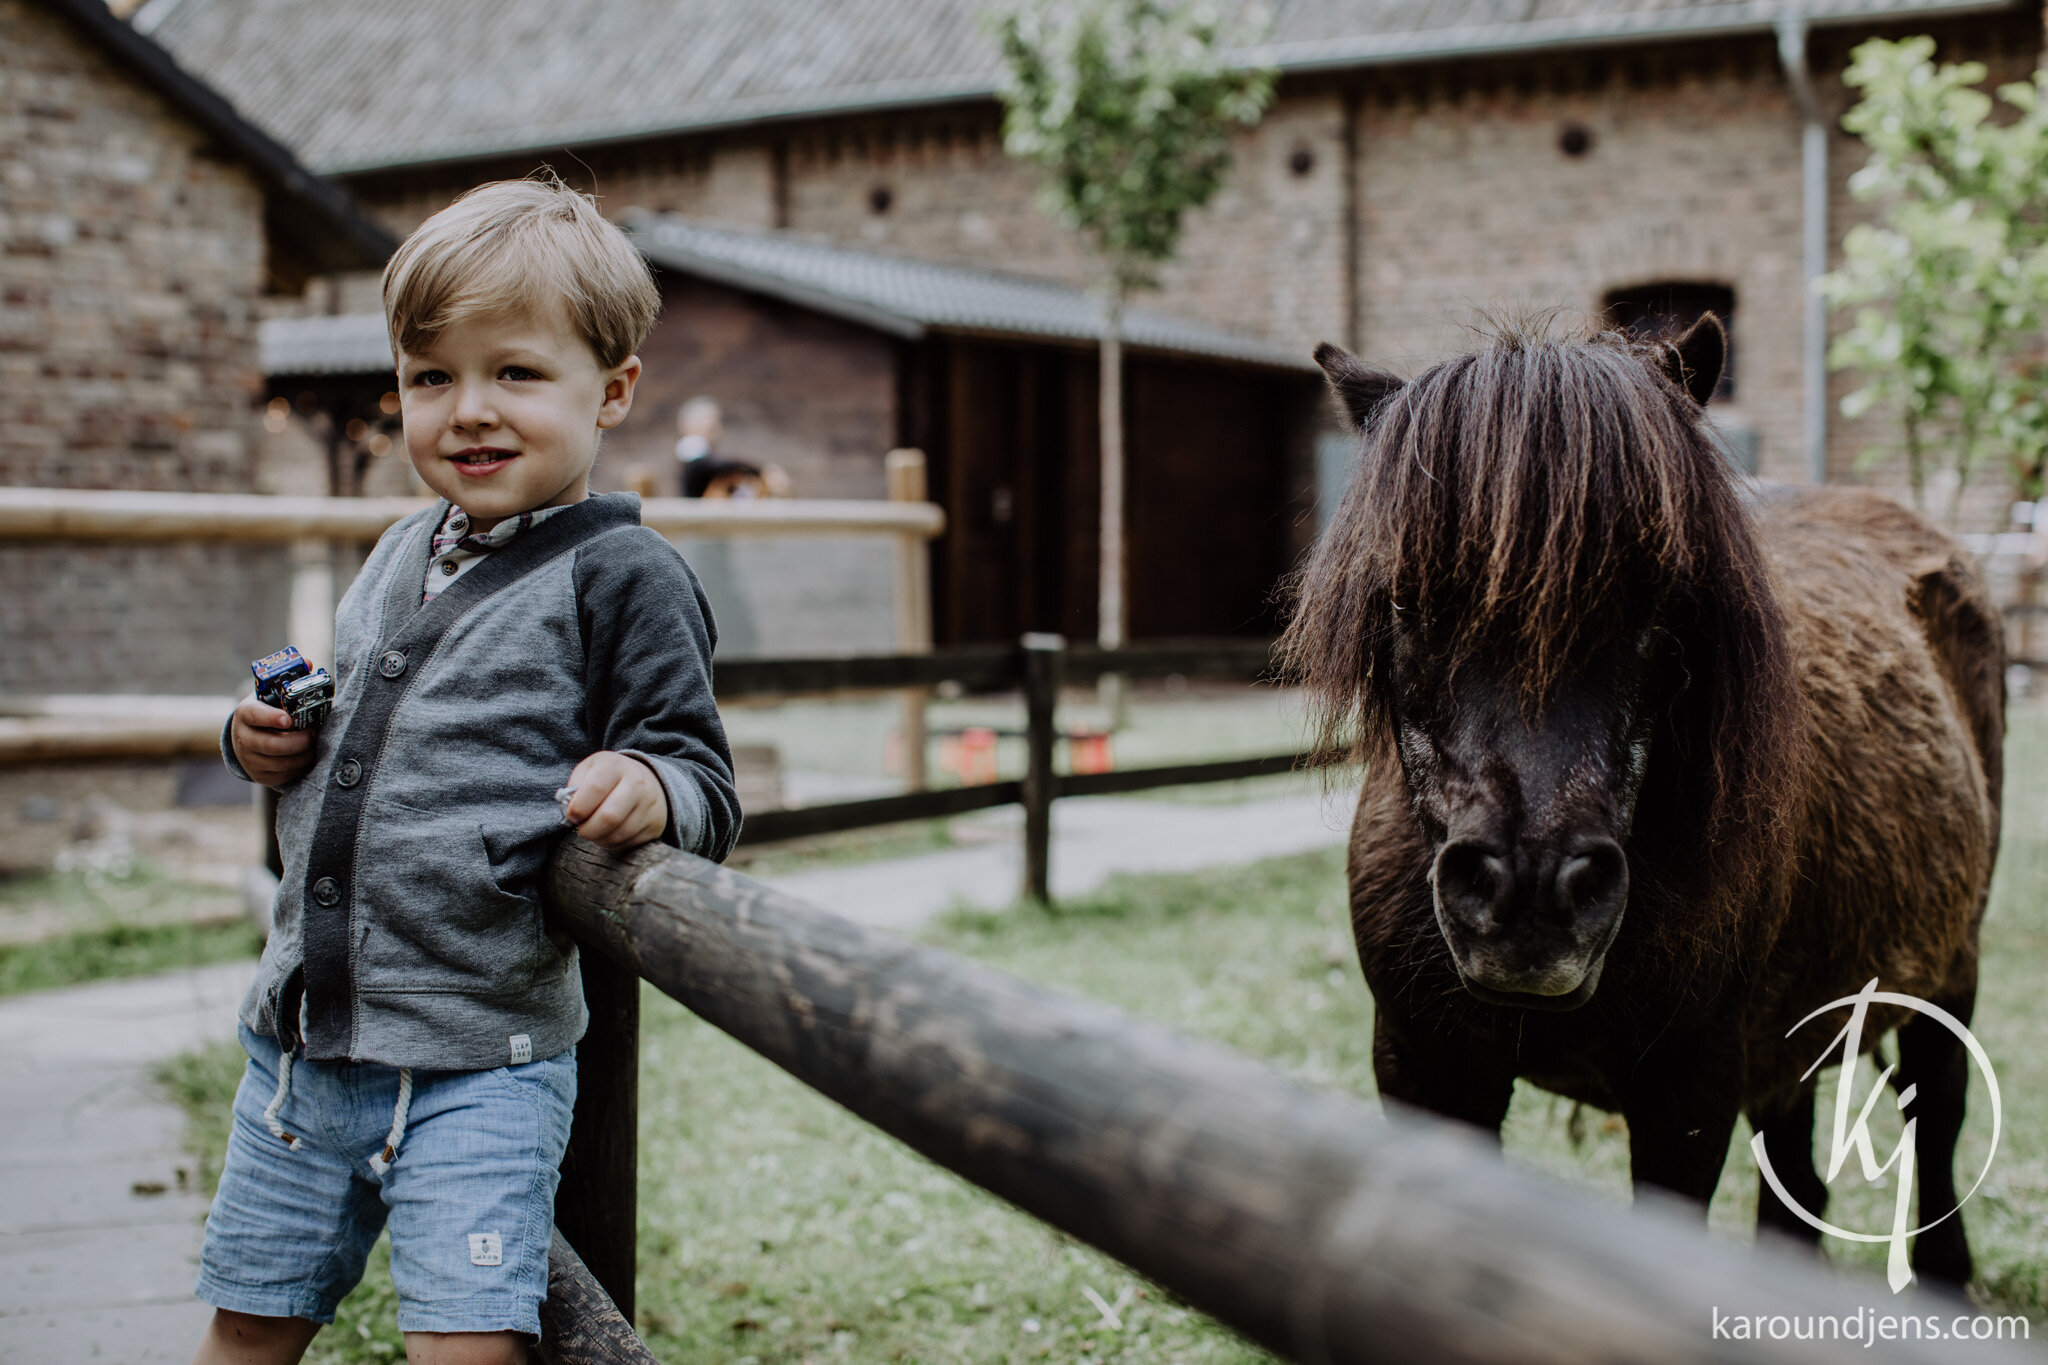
x=1656 y=763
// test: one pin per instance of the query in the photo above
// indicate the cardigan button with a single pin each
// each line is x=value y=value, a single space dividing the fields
x=392 y=664
x=327 y=891
x=349 y=773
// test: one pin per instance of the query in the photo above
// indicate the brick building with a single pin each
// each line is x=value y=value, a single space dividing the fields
x=143 y=224
x=1422 y=159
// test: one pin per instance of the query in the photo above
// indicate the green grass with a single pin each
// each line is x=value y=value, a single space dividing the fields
x=121 y=950
x=776 y=1229
x=138 y=921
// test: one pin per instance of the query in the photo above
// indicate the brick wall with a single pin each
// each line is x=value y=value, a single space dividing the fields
x=810 y=393
x=1460 y=199
x=1457 y=197
x=131 y=262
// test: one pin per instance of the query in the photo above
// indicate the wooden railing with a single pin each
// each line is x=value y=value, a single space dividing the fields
x=1303 y=1219
x=314 y=526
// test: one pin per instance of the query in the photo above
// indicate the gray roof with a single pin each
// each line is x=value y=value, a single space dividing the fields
x=356 y=85
x=904 y=298
x=348 y=343
x=909 y=298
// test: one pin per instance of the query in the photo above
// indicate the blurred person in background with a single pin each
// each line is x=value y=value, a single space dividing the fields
x=700 y=426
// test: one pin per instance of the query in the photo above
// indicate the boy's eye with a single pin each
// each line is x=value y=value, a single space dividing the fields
x=429 y=378
x=518 y=372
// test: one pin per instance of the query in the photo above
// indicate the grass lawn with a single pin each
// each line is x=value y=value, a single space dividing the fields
x=775 y=1228
x=130 y=925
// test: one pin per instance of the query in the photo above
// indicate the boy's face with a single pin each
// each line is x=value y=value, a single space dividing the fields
x=502 y=412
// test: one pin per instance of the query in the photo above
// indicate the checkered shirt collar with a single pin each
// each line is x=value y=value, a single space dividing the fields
x=454 y=532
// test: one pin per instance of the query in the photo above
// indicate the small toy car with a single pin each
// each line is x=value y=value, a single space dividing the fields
x=285 y=680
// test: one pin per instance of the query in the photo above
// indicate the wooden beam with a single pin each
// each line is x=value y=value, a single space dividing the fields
x=67 y=739
x=597 y=1203
x=801 y=822
x=92 y=514
x=1190 y=774
x=1303 y=1219
x=579 y=1324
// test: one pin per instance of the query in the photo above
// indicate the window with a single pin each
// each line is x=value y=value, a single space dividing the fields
x=1668 y=307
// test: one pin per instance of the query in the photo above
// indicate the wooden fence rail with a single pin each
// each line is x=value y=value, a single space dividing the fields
x=94 y=514
x=1037 y=666
x=1304 y=1220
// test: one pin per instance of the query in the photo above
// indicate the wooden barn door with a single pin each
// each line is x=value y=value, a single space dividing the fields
x=1002 y=564
x=1208 y=527
x=1018 y=470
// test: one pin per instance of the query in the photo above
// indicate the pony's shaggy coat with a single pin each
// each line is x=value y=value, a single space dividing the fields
x=1821 y=799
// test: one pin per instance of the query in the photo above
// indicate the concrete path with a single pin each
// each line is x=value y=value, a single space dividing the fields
x=99 y=1234
x=99 y=1238
x=1092 y=837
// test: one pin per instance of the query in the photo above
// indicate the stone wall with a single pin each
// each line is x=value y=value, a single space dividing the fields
x=131 y=264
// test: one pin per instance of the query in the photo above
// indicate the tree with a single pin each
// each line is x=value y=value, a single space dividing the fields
x=1951 y=281
x=1128 y=107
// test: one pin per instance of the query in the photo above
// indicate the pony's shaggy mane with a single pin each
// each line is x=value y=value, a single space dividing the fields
x=1528 y=501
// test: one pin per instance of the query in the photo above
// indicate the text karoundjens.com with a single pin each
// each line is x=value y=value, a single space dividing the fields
x=1867 y=1326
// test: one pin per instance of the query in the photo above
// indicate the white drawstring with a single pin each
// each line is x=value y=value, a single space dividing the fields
x=276 y=1105
x=381 y=1162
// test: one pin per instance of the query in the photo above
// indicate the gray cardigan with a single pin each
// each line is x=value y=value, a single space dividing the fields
x=408 y=918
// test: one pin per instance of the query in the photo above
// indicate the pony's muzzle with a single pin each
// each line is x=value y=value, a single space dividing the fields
x=1533 y=926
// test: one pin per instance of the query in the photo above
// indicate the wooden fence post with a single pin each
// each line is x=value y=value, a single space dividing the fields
x=905 y=470
x=597 y=1206
x=1041 y=699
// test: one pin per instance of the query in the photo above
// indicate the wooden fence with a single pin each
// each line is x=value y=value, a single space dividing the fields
x=1037 y=667
x=1305 y=1220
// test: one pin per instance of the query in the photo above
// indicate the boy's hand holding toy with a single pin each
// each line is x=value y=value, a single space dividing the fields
x=273 y=730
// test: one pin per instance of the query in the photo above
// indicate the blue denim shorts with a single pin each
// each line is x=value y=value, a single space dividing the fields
x=469 y=1195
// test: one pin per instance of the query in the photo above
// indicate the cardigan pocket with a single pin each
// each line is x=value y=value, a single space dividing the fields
x=431 y=914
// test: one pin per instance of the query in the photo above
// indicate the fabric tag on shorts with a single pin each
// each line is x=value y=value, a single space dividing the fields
x=522 y=1049
x=486 y=1248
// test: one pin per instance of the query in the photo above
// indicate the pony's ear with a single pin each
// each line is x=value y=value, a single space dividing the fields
x=1694 y=361
x=1358 y=386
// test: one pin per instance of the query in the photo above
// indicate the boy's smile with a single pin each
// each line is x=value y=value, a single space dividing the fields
x=502 y=412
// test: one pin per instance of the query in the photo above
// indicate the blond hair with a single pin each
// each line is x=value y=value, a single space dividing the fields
x=514 y=246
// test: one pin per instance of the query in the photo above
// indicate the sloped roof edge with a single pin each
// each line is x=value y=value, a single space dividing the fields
x=321 y=219
x=910 y=298
x=893 y=295
x=1691 y=22
x=1604 y=30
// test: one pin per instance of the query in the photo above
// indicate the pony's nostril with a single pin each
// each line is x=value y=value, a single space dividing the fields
x=1594 y=880
x=1473 y=882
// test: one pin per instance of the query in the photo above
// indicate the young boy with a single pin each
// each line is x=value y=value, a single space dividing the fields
x=412 y=1030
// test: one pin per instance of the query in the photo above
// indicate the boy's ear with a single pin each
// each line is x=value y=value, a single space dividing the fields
x=1694 y=361
x=1359 y=388
x=618 y=393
